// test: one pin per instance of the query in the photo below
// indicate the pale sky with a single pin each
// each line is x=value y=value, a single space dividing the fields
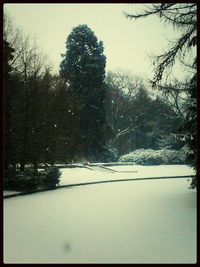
x=127 y=42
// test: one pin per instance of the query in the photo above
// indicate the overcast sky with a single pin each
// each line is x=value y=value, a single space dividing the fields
x=127 y=42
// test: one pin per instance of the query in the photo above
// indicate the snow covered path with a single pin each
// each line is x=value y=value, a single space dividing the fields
x=152 y=221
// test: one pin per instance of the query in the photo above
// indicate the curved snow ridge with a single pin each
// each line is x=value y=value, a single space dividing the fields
x=99 y=182
x=96 y=174
x=125 y=180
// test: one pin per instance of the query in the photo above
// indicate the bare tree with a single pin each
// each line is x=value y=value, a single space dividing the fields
x=182 y=17
x=28 y=66
x=175 y=95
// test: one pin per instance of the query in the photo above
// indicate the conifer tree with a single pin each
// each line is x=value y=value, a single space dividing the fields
x=83 y=68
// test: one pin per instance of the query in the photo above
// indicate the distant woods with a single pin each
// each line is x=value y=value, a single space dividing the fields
x=84 y=113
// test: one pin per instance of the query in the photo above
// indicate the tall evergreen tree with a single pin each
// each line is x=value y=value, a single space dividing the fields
x=83 y=68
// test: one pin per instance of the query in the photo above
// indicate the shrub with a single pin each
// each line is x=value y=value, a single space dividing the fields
x=28 y=180
x=10 y=179
x=154 y=157
x=31 y=179
x=51 y=178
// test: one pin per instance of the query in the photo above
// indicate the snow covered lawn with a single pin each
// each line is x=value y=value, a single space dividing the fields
x=81 y=175
x=96 y=173
x=151 y=221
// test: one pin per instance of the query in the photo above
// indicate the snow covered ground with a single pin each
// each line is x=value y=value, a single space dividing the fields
x=80 y=175
x=151 y=221
x=8 y=193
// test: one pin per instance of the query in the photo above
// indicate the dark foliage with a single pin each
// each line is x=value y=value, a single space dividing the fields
x=83 y=68
x=31 y=179
x=189 y=127
x=51 y=177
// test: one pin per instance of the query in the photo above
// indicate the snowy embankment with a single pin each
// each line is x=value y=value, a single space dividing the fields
x=152 y=221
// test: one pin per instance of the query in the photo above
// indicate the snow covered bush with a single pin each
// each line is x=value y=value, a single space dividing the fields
x=52 y=177
x=10 y=180
x=154 y=157
x=31 y=179
x=28 y=180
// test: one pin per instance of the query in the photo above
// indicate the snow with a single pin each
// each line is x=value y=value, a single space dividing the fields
x=96 y=173
x=8 y=192
x=152 y=221
x=161 y=170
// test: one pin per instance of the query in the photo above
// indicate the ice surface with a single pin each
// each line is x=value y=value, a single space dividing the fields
x=151 y=221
